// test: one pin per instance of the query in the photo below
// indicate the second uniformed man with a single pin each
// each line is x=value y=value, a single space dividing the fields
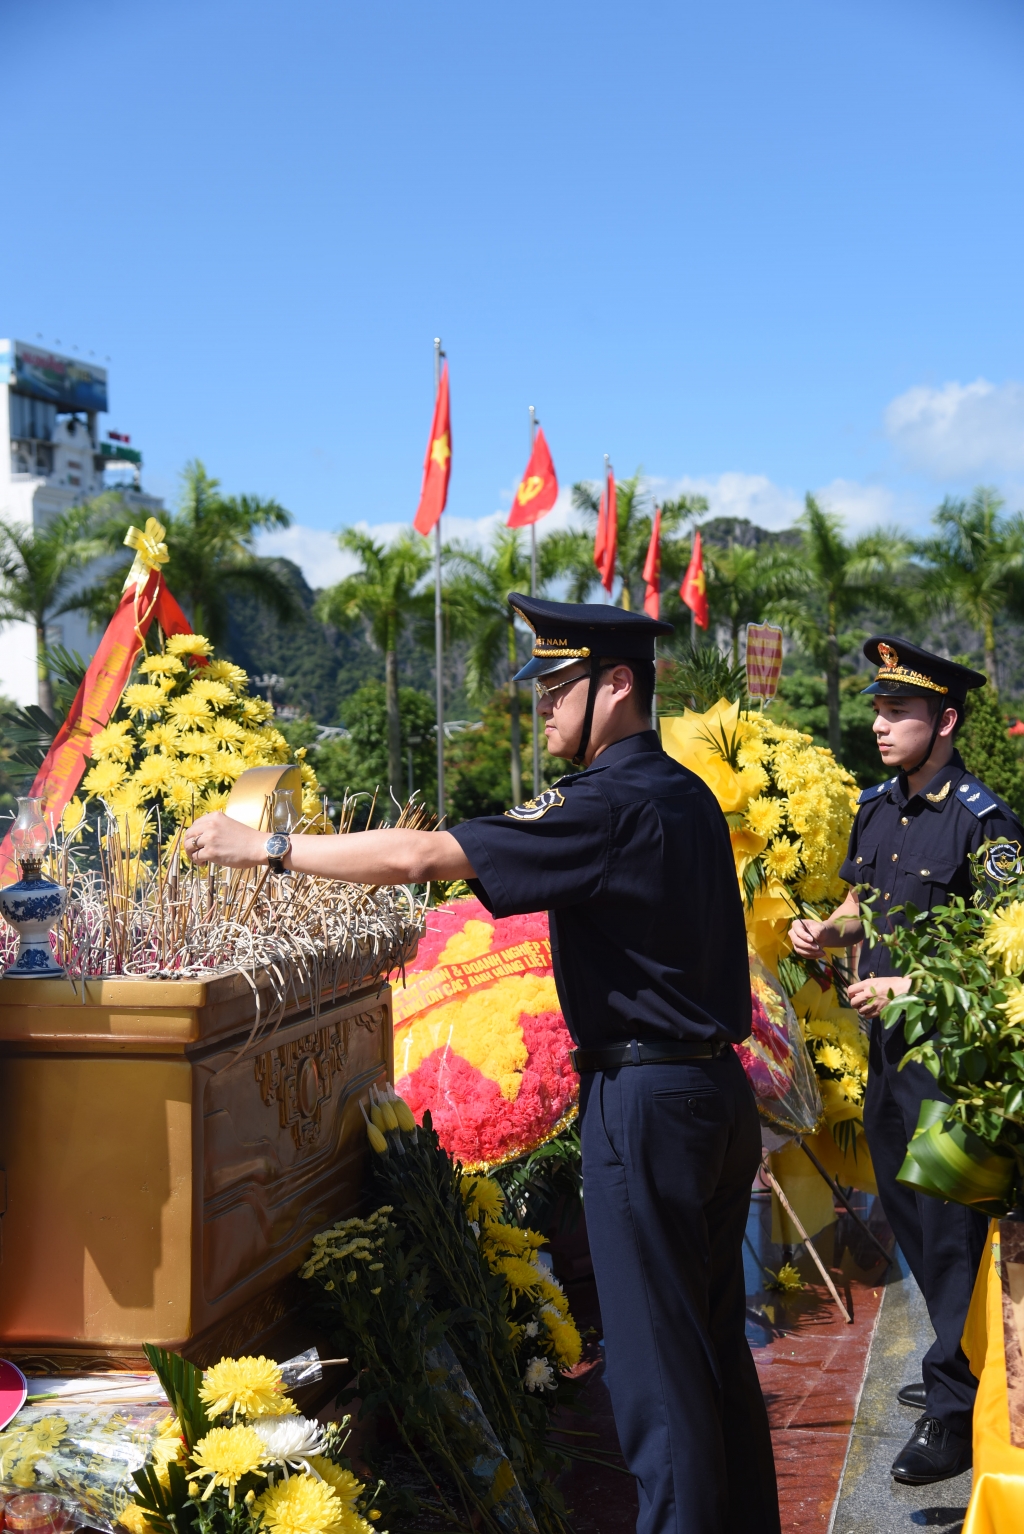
x=911 y=842
x=631 y=858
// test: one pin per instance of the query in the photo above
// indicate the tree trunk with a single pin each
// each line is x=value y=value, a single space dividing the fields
x=735 y=644
x=835 y=738
x=624 y=595
x=990 y=652
x=394 y=722
x=516 y=739
x=44 y=691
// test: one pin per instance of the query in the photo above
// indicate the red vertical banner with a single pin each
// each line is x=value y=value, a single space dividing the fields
x=606 y=539
x=652 y=569
x=694 y=590
x=437 y=465
x=764 y=660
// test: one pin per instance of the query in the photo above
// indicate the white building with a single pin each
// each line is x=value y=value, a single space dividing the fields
x=52 y=454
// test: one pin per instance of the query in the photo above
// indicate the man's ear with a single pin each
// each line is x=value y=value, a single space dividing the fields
x=948 y=725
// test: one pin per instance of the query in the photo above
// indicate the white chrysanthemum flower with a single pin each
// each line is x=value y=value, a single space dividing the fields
x=474 y=1226
x=539 y=1375
x=531 y=1329
x=290 y=1441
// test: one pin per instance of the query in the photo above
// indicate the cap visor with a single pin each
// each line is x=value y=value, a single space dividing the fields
x=543 y=666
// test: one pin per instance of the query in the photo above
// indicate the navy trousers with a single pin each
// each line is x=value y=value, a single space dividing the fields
x=943 y=1243
x=669 y=1155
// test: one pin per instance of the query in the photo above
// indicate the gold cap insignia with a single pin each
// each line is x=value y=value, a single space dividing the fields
x=889 y=657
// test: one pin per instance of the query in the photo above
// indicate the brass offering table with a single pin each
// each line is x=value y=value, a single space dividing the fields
x=164 y=1169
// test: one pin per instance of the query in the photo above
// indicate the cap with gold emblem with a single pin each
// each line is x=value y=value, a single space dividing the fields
x=565 y=632
x=905 y=670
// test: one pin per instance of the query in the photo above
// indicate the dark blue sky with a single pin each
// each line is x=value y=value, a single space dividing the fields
x=708 y=239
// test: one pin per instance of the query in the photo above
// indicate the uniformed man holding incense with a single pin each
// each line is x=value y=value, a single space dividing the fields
x=631 y=858
x=910 y=843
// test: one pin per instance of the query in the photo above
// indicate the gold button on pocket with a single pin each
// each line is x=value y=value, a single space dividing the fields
x=885 y=896
x=925 y=872
x=895 y=856
x=860 y=860
x=904 y=821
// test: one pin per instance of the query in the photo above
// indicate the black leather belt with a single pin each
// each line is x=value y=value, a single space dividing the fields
x=633 y=1053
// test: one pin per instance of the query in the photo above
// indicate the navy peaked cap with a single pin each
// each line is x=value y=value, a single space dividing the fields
x=905 y=670
x=571 y=631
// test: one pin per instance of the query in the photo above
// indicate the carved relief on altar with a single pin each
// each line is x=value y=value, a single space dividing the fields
x=299 y=1075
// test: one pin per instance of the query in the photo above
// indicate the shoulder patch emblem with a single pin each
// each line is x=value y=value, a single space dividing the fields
x=873 y=793
x=938 y=798
x=533 y=809
x=1003 y=861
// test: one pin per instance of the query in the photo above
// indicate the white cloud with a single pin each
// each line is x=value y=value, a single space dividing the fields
x=865 y=506
x=960 y=429
x=733 y=494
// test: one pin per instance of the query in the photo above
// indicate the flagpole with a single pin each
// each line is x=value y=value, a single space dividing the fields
x=533 y=593
x=439 y=624
x=607 y=461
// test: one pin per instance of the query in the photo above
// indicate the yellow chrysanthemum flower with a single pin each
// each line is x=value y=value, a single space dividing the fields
x=188 y=709
x=228 y=730
x=212 y=801
x=1013 y=1006
x=161 y=665
x=126 y=798
x=179 y=797
x=831 y=1057
x=521 y=1277
x=257 y=709
x=342 y=1482
x=782 y=858
x=162 y=736
x=104 y=776
x=250 y=1387
x=565 y=1339
x=156 y=770
x=217 y=693
x=482 y=1195
x=195 y=770
x=227 y=1455
x=304 y=1505
x=188 y=644
x=114 y=743
x=227 y=765
x=765 y=816
x=1004 y=937
x=72 y=816
x=133 y=1518
x=226 y=671
x=143 y=698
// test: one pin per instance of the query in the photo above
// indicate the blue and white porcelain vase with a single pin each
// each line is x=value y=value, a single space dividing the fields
x=35 y=904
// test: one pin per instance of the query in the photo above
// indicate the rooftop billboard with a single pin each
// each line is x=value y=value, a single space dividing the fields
x=66 y=382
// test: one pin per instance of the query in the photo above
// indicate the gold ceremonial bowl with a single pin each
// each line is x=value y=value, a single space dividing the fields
x=168 y=1154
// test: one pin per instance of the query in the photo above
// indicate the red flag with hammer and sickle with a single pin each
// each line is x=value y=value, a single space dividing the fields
x=607 y=536
x=437 y=465
x=538 y=489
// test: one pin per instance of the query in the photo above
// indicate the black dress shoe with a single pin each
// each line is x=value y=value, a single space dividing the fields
x=913 y=1395
x=932 y=1453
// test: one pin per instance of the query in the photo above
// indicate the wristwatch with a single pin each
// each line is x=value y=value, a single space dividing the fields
x=276 y=848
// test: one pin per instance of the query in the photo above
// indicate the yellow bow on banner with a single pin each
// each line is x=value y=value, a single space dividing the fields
x=150 y=551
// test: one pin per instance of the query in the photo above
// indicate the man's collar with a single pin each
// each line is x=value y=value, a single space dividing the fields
x=630 y=745
x=938 y=791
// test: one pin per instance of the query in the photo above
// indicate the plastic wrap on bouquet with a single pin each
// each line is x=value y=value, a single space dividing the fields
x=86 y=1453
x=479 y=1035
x=485 y=1461
x=775 y=1059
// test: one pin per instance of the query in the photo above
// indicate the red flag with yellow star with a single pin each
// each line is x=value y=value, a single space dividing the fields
x=607 y=536
x=438 y=463
x=694 y=590
x=537 y=491
x=652 y=569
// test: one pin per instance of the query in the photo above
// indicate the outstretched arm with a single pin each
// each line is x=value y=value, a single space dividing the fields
x=361 y=857
x=842 y=929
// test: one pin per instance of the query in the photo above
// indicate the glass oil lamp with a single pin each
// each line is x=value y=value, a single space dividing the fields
x=35 y=904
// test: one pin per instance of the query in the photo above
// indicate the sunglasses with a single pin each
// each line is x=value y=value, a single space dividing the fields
x=547 y=692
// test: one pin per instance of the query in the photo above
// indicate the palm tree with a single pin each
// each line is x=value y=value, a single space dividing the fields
x=975 y=564
x=841 y=578
x=40 y=570
x=572 y=551
x=211 y=542
x=382 y=594
x=744 y=583
x=479 y=599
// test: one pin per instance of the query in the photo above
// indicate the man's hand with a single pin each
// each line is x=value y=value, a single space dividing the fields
x=806 y=937
x=870 y=996
x=217 y=838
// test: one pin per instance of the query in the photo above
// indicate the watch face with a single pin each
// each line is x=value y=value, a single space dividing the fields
x=277 y=845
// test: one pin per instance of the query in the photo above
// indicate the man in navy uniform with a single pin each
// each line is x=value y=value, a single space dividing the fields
x=910 y=843
x=631 y=857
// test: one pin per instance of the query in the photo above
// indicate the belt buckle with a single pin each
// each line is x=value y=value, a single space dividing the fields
x=573 y=1062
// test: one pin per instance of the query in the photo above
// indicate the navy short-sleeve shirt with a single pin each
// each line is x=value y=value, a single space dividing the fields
x=632 y=861
x=914 y=850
